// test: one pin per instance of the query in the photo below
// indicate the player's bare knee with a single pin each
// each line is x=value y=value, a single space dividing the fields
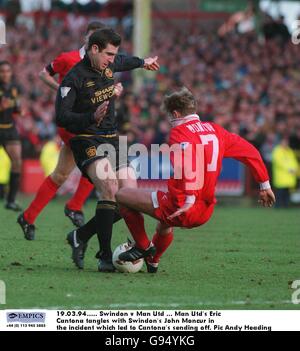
x=59 y=178
x=128 y=183
x=108 y=189
x=127 y=178
x=162 y=229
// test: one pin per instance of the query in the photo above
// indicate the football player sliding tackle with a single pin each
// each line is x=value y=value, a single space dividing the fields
x=190 y=200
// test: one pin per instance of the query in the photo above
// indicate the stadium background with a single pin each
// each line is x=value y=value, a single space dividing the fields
x=244 y=74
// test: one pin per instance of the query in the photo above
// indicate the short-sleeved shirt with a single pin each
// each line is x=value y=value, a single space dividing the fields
x=62 y=64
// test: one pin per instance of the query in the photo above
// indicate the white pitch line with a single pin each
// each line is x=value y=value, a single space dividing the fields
x=196 y=304
x=170 y=305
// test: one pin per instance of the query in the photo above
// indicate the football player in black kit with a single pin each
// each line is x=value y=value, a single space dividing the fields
x=85 y=107
x=9 y=137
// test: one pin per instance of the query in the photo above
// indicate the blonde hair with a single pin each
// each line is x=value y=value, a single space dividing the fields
x=182 y=101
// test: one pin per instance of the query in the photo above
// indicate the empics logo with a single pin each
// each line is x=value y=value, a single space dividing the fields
x=26 y=317
x=2 y=32
x=12 y=316
x=2 y=293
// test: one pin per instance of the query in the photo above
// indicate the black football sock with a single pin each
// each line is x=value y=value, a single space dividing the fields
x=104 y=221
x=117 y=215
x=87 y=231
x=14 y=183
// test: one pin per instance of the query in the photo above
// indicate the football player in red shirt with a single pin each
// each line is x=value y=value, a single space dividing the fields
x=189 y=201
x=73 y=209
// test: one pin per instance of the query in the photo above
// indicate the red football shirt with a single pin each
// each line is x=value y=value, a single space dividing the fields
x=216 y=143
x=61 y=66
x=64 y=62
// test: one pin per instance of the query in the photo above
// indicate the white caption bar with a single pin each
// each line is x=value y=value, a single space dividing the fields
x=155 y=321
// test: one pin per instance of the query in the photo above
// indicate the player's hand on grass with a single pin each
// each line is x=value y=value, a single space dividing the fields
x=266 y=198
x=151 y=63
x=118 y=89
x=101 y=112
x=181 y=210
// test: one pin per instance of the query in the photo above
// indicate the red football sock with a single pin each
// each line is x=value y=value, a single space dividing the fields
x=161 y=242
x=82 y=193
x=44 y=195
x=135 y=224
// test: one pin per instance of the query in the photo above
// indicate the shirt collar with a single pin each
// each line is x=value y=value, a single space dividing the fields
x=88 y=63
x=178 y=121
x=82 y=52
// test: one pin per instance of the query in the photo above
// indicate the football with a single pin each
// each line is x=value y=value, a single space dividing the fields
x=126 y=267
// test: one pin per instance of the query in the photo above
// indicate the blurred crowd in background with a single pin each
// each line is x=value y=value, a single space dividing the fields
x=249 y=82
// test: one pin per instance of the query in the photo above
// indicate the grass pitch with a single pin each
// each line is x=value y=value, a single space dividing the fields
x=244 y=258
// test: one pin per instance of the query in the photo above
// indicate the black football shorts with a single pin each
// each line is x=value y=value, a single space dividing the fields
x=88 y=149
x=8 y=136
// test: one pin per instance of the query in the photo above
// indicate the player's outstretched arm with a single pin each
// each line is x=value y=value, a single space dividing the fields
x=151 y=63
x=241 y=150
x=266 y=198
x=48 y=79
x=127 y=63
x=182 y=209
x=57 y=66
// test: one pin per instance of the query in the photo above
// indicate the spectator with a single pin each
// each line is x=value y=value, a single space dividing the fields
x=4 y=172
x=249 y=86
x=49 y=155
x=266 y=151
x=285 y=168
